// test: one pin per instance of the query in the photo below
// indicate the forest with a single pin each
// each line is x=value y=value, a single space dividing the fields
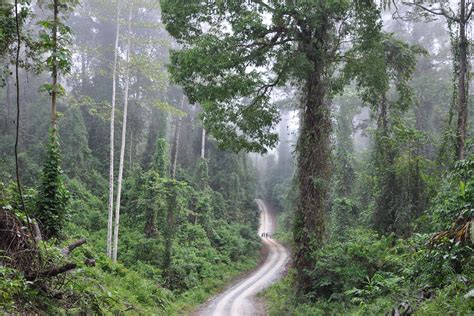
x=236 y=157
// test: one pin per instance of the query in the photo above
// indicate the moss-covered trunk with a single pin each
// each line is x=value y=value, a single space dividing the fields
x=313 y=178
x=461 y=131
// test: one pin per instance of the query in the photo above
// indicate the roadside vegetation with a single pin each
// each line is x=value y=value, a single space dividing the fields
x=136 y=135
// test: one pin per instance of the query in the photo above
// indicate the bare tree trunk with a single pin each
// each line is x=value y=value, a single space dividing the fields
x=462 y=85
x=17 y=135
x=174 y=150
x=112 y=131
x=124 y=135
x=54 y=92
x=83 y=72
x=203 y=143
x=7 y=106
x=130 y=154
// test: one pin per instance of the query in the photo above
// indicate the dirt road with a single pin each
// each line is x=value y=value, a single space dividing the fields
x=239 y=299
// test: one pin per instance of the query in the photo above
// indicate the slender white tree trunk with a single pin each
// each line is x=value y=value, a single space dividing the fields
x=130 y=152
x=203 y=143
x=112 y=122
x=174 y=150
x=124 y=133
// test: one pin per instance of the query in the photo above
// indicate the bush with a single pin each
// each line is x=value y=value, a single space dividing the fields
x=342 y=266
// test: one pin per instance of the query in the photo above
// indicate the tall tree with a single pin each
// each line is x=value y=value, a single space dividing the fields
x=112 y=134
x=227 y=51
x=19 y=17
x=389 y=65
x=173 y=187
x=54 y=40
x=460 y=49
x=124 y=134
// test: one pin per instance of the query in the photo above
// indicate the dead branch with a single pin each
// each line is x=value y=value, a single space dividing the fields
x=51 y=272
x=68 y=249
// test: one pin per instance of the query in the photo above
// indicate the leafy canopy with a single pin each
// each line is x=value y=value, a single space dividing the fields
x=234 y=53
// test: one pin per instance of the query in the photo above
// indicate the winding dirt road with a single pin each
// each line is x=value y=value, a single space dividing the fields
x=239 y=299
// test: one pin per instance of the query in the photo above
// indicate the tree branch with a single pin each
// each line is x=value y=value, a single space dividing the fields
x=469 y=14
x=68 y=249
x=441 y=11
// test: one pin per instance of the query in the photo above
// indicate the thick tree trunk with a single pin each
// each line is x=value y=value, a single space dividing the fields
x=124 y=135
x=462 y=85
x=112 y=131
x=313 y=178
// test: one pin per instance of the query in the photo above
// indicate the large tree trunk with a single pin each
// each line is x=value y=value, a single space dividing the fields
x=112 y=131
x=124 y=135
x=313 y=178
x=462 y=85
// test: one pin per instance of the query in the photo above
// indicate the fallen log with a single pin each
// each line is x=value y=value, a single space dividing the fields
x=51 y=272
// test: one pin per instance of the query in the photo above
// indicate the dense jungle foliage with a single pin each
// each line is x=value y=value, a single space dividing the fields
x=136 y=135
x=64 y=175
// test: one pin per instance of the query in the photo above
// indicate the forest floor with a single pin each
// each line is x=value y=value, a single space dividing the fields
x=240 y=296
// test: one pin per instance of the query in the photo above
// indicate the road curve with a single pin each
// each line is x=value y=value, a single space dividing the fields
x=238 y=299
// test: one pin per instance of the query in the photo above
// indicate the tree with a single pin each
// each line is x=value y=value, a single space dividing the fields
x=390 y=64
x=112 y=135
x=234 y=53
x=8 y=27
x=173 y=188
x=124 y=134
x=53 y=197
x=154 y=181
x=20 y=16
x=460 y=49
